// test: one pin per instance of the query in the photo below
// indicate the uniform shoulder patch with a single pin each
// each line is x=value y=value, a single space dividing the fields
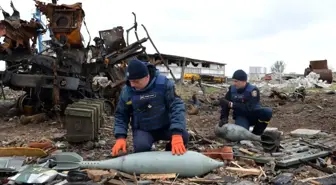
x=254 y=93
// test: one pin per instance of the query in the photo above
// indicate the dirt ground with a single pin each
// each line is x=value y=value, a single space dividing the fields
x=318 y=111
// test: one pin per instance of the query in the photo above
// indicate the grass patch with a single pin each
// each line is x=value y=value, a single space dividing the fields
x=333 y=86
x=210 y=90
x=316 y=90
x=186 y=91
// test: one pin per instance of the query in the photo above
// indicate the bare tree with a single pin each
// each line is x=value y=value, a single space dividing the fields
x=278 y=68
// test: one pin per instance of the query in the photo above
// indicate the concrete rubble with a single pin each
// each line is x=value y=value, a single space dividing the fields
x=311 y=81
x=308 y=82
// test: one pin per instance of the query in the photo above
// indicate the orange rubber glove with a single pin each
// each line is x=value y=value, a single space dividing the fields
x=177 y=145
x=120 y=145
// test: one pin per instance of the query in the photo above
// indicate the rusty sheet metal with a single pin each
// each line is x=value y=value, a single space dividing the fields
x=319 y=64
x=320 y=67
x=225 y=153
x=64 y=20
x=19 y=33
x=325 y=74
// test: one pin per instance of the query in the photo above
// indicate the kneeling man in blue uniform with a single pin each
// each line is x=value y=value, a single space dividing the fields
x=149 y=102
x=244 y=99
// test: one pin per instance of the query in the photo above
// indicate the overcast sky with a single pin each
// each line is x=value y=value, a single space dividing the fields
x=240 y=33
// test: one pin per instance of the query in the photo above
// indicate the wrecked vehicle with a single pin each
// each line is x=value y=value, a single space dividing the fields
x=66 y=71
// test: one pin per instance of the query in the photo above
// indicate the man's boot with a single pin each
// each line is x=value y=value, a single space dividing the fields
x=260 y=127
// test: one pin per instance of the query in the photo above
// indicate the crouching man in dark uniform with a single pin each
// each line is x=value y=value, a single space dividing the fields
x=244 y=99
x=156 y=112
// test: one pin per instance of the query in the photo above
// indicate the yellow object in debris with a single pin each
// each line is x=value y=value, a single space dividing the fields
x=22 y=151
x=206 y=78
x=188 y=76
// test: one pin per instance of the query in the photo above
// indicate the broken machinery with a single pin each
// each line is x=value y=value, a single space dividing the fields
x=66 y=71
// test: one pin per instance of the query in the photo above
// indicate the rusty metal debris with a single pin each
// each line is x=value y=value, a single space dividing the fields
x=224 y=153
x=320 y=67
x=69 y=76
x=17 y=34
x=65 y=21
x=65 y=71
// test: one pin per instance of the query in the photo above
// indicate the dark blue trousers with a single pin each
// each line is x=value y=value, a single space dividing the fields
x=259 y=119
x=143 y=141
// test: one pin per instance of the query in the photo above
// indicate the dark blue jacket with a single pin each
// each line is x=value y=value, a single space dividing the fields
x=174 y=107
x=245 y=101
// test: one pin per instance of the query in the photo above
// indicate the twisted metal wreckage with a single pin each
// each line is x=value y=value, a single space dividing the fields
x=66 y=71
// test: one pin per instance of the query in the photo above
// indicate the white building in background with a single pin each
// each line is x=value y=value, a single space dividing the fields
x=193 y=66
x=256 y=73
x=212 y=70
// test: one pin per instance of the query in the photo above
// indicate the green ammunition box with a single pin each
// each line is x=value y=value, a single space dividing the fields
x=79 y=124
x=100 y=106
x=84 y=105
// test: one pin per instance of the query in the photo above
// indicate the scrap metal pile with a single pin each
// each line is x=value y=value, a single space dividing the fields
x=65 y=71
x=320 y=67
